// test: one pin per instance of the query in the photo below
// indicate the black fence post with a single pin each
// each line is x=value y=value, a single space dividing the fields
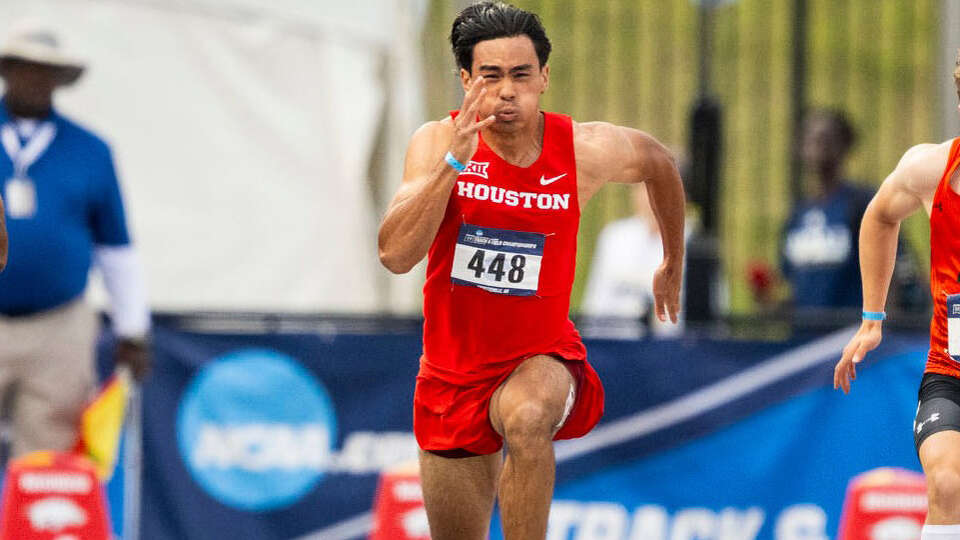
x=706 y=135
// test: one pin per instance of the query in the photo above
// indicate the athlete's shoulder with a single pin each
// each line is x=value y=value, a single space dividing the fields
x=920 y=169
x=604 y=134
x=932 y=153
x=609 y=152
x=924 y=163
x=434 y=128
x=604 y=141
x=598 y=148
x=599 y=132
x=427 y=144
x=435 y=134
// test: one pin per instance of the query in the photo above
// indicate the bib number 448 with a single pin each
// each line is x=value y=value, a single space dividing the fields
x=497 y=260
x=496 y=267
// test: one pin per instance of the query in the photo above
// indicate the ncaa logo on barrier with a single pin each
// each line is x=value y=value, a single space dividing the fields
x=256 y=429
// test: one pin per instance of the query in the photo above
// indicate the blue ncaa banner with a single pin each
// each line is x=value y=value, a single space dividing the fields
x=284 y=436
x=271 y=436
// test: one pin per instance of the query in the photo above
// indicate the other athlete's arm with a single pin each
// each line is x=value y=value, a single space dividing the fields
x=909 y=187
x=416 y=211
x=619 y=154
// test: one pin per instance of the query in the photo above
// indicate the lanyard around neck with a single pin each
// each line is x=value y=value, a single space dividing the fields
x=23 y=156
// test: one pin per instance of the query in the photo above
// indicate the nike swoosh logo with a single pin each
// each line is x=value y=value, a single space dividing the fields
x=548 y=181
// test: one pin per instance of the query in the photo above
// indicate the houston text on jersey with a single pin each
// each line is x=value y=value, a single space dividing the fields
x=509 y=197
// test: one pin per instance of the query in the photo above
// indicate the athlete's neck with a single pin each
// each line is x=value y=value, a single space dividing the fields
x=521 y=147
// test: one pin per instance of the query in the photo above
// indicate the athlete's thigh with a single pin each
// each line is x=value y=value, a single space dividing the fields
x=458 y=494
x=542 y=380
x=937 y=432
x=941 y=451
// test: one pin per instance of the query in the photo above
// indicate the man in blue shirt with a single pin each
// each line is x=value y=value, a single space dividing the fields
x=819 y=253
x=64 y=212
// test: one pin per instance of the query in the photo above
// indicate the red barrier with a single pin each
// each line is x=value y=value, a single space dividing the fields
x=53 y=496
x=884 y=504
x=398 y=512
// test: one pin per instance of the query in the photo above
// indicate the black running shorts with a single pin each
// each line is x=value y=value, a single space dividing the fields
x=939 y=407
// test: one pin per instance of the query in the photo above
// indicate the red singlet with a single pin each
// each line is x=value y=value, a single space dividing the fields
x=945 y=273
x=479 y=316
x=497 y=292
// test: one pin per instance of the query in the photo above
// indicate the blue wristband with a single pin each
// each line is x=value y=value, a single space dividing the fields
x=874 y=315
x=454 y=163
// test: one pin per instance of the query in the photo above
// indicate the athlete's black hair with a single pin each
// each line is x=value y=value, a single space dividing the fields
x=492 y=20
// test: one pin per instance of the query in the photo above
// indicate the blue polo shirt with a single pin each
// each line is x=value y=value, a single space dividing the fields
x=78 y=206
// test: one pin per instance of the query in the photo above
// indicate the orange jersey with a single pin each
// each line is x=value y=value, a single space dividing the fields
x=944 y=356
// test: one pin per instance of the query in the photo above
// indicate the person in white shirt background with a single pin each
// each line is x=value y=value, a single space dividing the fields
x=620 y=283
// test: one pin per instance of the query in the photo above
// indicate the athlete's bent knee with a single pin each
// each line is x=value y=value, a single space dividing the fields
x=943 y=489
x=528 y=423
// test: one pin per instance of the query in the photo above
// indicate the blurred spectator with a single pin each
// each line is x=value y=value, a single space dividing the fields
x=620 y=285
x=819 y=253
x=64 y=210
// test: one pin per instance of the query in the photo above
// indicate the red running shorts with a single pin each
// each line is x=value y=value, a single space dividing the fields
x=454 y=421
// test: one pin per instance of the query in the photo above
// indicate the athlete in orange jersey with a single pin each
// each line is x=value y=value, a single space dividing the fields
x=494 y=194
x=927 y=176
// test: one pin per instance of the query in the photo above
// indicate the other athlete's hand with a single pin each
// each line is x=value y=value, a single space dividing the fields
x=465 y=125
x=666 y=290
x=866 y=339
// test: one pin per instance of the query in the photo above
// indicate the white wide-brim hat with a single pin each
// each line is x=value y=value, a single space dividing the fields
x=40 y=45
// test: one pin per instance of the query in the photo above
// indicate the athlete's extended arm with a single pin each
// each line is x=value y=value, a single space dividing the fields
x=908 y=188
x=416 y=211
x=620 y=154
x=657 y=168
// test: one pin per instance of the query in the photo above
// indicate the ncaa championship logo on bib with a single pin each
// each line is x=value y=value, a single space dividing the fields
x=497 y=260
x=256 y=429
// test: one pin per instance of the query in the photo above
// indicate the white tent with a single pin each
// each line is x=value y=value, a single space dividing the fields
x=244 y=132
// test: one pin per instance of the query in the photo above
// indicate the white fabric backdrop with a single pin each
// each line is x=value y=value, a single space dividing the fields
x=243 y=132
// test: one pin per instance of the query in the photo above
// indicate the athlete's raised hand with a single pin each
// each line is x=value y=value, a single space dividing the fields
x=866 y=339
x=666 y=291
x=465 y=125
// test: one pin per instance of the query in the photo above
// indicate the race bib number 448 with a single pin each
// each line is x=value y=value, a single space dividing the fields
x=498 y=260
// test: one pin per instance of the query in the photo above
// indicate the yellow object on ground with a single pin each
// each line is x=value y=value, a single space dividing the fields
x=102 y=422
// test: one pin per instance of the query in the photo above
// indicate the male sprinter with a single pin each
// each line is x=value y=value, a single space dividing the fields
x=928 y=177
x=494 y=194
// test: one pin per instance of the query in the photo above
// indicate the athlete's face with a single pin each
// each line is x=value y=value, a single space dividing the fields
x=514 y=81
